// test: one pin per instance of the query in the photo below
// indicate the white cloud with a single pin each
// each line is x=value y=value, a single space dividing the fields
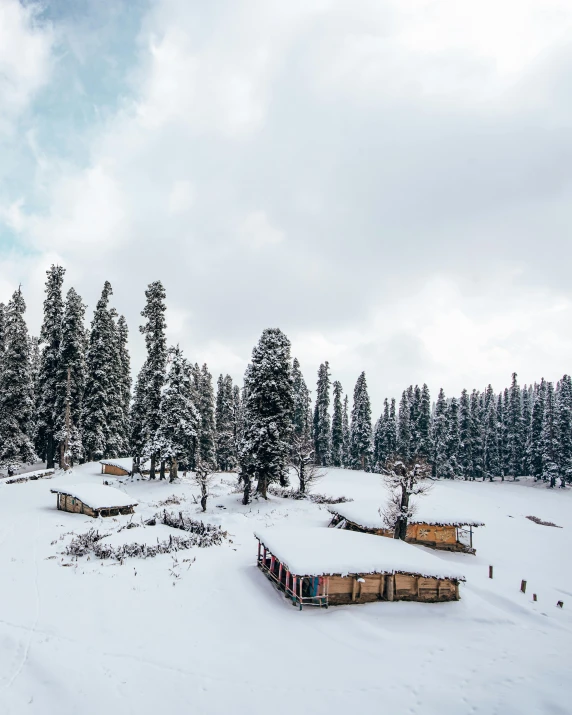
x=256 y=231
x=24 y=58
x=181 y=198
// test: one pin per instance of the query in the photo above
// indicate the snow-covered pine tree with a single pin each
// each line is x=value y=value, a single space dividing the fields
x=322 y=437
x=70 y=383
x=423 y=425
x=238 y=420
x=225 y=428
x=536 y=428
x=97 y=420
x=564 y=416
x=391 y=430
x=491 y=455
x=465 y=455
x=453 y=468
x=2 y=333
x=414 y=397
x=179 y=416
x=514 y=431
x=378 y=438
x=269 y=401
x=346 y=458
x=138 y=437
x=337 y=426
x=527 y=401
x=360 y=433
x=156 y=343
x=501 y=435
x=440 y=436
x=505 y=429
x=404 y=438
x=123 y=385
x=301 y=396
x=550 y=437
x=476 y=433
x=16 y=446
x=206 y=440
x=50 y=337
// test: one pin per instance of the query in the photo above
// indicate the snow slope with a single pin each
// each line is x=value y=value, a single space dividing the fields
x=211 y=635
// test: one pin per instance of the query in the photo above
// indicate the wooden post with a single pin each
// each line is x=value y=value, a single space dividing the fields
x=354 y=588
x=390 y=586
x=534 y=597
x=523 y=586
x=490 y=571
x=560 y=604
x=457 y=590
x=286 y=583
x=259 y=552
x=280 y=572
x=381 y=585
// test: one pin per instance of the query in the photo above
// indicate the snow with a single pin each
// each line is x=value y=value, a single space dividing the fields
x=366 y=513
x=96 y=496
x=46 y=473
x=317 y=551
x=155 y=635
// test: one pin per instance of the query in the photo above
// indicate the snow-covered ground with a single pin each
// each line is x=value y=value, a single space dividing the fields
x=204 y=631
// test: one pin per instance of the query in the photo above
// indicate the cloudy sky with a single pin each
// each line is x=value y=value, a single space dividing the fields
x=388 y=181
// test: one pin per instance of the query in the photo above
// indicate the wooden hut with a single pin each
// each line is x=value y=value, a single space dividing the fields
x=93 y=500
x=116 y=467
x=331 y=567
x=427 y=527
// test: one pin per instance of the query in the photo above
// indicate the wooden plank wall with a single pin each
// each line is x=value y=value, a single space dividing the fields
x=362 y=588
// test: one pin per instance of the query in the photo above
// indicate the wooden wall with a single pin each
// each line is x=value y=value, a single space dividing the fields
x=398 y=587
x=112 y=469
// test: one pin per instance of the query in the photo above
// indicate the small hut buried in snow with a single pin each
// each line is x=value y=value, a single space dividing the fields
x=93 y=500
x=324 y=567
x=117 y=467
x=430 y=527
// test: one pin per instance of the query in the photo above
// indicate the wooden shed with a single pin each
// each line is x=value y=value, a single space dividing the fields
x=428 y=527
x=93 y=500
x=331 y=567
x=119 y=468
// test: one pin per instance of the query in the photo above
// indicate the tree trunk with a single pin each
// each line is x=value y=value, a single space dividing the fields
x=262 y=486
x=174 y=470
x=162 y=470
x=204 y=502
x=302 y=478
x=152 y=467
x=247 y=487
x=401 y=527
x=50 y=462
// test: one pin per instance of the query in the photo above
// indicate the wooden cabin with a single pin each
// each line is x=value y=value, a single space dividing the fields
x=333 y=567
x=426 y=527
x=115 y=467
x=93 y=500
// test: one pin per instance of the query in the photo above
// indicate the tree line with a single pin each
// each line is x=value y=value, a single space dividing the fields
x=66 y=397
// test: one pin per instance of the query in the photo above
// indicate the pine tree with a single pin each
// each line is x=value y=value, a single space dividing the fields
x=50 y=337
x=391 y=431
x=179 y=416
x=238 y=420
x=536 y=429
x=404 y=438
x=564 y=417
x=465 y=437
x=97 y=420
x=414 y=397
x=440 y=436
x=224 y=420
x=269 y=402
x=501 y=435
x=123 y=383
x=476 y=434
x=379 y=455
x=423 y=425
x=35 y=360
x=322 y=438
x=138 y=436
x=70 y=383
x=360 y=435
x=16 y=406
x=453 y=468
x=550 y=437
x=491 y=452
x=514 y=436
x=156 y=363
x=346 y=458
x=206 y=440
x=527 y=398
x=337 y=427
x=2 y=334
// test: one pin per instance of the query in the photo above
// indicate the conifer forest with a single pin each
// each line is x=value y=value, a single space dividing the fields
x=68 y=396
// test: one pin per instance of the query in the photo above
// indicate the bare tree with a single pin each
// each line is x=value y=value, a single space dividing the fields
x=204 y=476
x=404 y=478
x=303 y=462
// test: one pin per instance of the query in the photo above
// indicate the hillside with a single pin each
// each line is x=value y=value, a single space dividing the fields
x=204 y=631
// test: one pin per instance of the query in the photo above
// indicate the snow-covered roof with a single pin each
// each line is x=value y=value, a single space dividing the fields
x=319 y=551
x=366 y=514
x=97 y=496
x=125 y=463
